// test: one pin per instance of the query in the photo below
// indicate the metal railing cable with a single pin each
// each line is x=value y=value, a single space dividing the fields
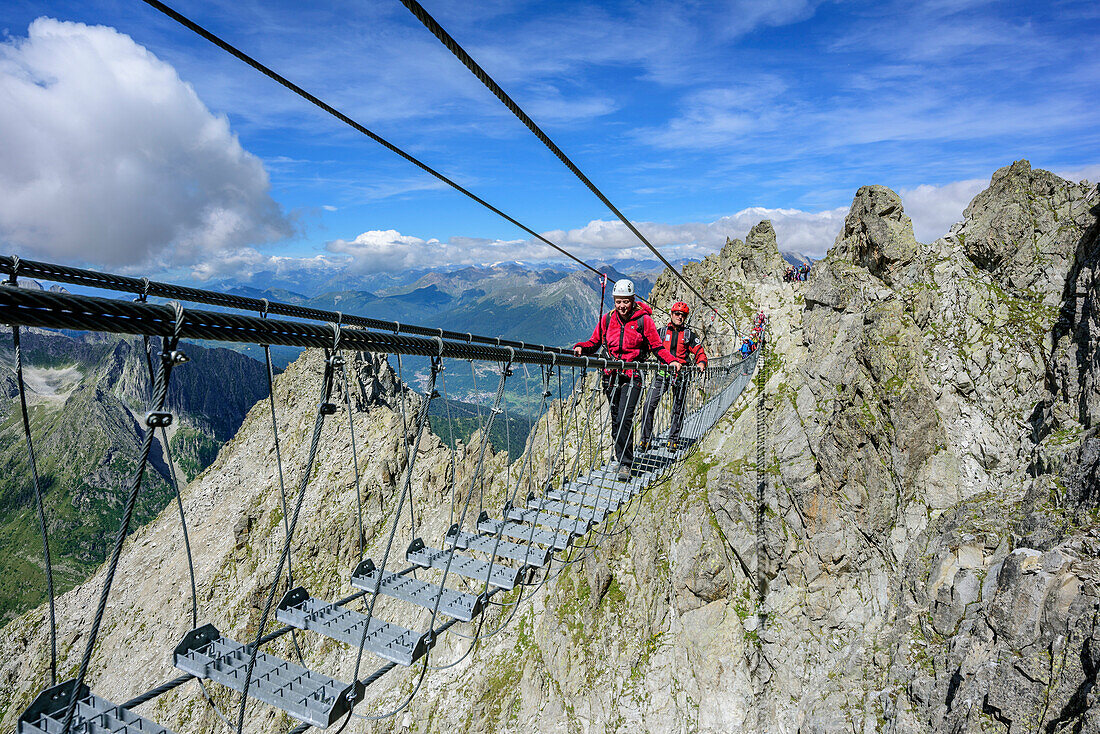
x=89 y=313
x=483 y=76
x=150 y=288
x=169 y=358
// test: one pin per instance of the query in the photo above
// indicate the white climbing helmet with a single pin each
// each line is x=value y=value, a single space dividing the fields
x=623 y=288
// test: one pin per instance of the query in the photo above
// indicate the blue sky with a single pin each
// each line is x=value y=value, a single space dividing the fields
x=133 y=144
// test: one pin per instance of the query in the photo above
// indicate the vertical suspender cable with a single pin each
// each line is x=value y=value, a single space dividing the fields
x=39 y=500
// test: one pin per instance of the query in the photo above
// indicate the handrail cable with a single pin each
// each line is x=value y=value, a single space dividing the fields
x=483 y=76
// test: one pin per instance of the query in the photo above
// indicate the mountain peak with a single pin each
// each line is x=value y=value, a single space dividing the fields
x=877 y=234
x=757 y=257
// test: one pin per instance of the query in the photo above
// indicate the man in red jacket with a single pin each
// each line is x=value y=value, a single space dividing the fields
x=629 y=334
x=682 y=343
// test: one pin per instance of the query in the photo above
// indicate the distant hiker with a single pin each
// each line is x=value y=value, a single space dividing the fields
x=682 y=343
x=746 y=347
x=630 y=335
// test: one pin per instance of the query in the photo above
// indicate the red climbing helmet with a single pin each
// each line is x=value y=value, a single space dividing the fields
x=680 y=307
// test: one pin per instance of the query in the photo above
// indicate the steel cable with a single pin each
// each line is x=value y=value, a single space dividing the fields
x=483 y=76
x=271 y=74
x=39 y=500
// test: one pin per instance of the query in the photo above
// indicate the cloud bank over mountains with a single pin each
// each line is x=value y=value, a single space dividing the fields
x=108 y=157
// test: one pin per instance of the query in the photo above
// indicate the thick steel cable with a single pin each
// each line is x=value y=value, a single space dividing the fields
x=160 y=390
x=151 y=288
x=275 y=76
x=319 y=422
x=39 y=500
x=483 y=76
x=88 y=313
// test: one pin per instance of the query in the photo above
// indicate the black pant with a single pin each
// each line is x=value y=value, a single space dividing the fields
x=622 y=397
x=661 y=384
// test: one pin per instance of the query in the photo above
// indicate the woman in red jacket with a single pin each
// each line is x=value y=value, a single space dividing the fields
x=630 y=335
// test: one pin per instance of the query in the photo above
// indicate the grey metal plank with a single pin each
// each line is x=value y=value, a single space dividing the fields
x=529 y=554
x=557 y=541
x=307 y=696
x=616 y=490
x=499 y=575
x=548 y=519
x=384 y=639
x=91 y=715
x=579 y=511
x=604 y=476
x=453 y=603
x=609 y=504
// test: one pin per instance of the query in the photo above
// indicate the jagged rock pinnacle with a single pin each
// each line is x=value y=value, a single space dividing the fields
x=877 y=234
x=1016 y=229
x=755 y=258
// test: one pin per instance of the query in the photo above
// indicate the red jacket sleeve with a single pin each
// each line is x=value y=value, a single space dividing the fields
x=592 y=344
x=656 y=344
x=697 y=350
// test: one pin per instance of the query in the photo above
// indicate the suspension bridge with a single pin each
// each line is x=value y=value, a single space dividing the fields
x=567 y=500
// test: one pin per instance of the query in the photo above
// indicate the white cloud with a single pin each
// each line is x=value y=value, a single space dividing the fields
x=241 y=264
x=388 y=250
x=934 y=209
x=1090 y=173
x=808 y=232
x=107 y=157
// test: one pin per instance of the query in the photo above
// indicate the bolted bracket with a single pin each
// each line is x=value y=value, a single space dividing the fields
x=174 y=357
x=328 y=408
x=158 y=419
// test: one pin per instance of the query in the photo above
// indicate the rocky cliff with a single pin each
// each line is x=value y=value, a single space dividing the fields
x=923 y=555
